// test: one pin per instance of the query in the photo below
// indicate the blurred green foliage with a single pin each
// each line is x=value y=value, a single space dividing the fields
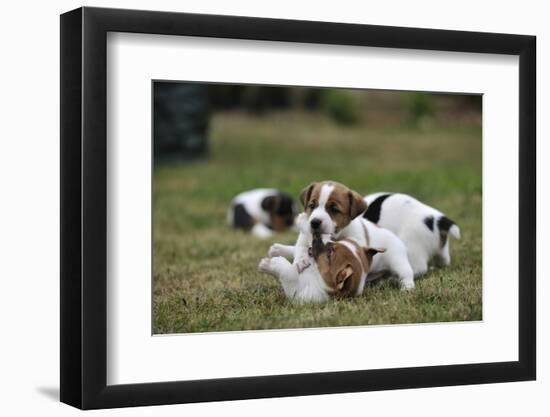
x=420 y=107
x=343 y=106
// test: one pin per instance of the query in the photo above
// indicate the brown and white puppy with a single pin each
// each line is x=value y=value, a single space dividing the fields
x=334 y=209
x=320 y=268
x=262 y=211
x=343 y=265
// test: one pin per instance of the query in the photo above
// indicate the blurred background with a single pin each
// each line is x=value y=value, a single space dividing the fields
x=183 y=111
x=213 y=141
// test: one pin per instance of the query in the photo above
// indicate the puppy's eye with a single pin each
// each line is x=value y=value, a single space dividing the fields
x=330 y=250
x=311 y=205
x=334 y=209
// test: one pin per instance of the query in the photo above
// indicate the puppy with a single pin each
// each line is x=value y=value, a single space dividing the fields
x=423 y=229
x=321 y=268
x=334 y=209
x=261 y=212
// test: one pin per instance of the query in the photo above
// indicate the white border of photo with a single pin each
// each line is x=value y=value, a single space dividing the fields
x=134 y=355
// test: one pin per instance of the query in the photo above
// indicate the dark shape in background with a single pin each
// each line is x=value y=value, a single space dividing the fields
x=181 y=116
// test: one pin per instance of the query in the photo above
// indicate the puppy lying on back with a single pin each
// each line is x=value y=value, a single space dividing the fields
x=321 y=268
x=261 y=212
x=423 y=229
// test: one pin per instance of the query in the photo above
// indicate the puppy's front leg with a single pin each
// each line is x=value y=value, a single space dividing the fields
x=302 y=243
x=405 y=274
x=286 y=251
x=280 y=268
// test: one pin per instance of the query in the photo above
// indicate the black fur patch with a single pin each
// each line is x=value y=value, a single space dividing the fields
x=286 y=208
x=373 y=210
x=268 y=203
x=281 y=205
x=444 y=224
x=241 y=218
x=429 y=222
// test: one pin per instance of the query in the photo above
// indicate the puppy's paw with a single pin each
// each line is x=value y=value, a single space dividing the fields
x=407 y=285
x=265 y=266
x=302 y=265
x=276 y=250
x=261 y=231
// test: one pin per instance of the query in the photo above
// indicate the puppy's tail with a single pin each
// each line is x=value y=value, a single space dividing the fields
x=447 y=227
x=454 y=231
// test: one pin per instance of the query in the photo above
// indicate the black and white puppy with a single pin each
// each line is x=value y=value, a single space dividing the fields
x=423 y=229
x=262 y=211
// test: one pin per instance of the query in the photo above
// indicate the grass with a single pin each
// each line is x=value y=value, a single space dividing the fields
x=205 y=274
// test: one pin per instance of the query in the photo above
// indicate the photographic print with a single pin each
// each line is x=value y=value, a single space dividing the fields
x=281 y=207
x=271 y=186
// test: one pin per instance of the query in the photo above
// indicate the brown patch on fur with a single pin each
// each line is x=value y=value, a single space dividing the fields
x=280 y=211
x=278 y=223
x=341 y=268
x=343 y=204
x=305 y=194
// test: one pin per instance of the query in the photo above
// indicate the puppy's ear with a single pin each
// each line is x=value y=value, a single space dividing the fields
x=370 y=252
x=305 y=195
x=342 y=276
x=357 y=204
x=286 y=205
x=268 y=203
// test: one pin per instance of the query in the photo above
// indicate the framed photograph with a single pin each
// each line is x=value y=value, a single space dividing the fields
x=257 y=208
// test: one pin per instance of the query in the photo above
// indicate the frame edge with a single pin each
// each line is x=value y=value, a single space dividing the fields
x=527 y=332
x=70 y=208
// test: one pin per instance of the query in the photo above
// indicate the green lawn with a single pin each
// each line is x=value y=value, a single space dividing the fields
x=205 y=274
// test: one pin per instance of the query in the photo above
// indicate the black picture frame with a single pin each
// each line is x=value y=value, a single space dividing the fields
x=84 y=207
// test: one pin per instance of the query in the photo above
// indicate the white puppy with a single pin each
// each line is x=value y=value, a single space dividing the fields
x=423 y=229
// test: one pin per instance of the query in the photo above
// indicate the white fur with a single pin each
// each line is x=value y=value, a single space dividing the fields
x=261 y=231
x=404 y=215
x=320 y=212
x=301 y=279
x=277 y=249
x=394 y=259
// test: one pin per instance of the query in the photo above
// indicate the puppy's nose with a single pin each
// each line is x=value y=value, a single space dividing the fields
x=315 y=224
